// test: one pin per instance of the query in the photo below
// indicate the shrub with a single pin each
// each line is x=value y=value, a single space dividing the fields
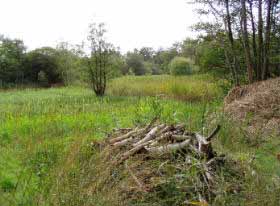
x=136 y=64
x=180 y=66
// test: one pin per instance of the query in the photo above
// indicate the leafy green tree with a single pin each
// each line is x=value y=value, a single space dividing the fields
x=180 y=66
x=12 y=54
x=118 y=65
x=147 y=53
x=135 y=62
x=189 y=48
x=70 y=65
x=98 y=62
x=210 y=56
x=162 y=58
x=42 y=60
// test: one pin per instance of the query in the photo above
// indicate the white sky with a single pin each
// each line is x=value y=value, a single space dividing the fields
x=130 y=23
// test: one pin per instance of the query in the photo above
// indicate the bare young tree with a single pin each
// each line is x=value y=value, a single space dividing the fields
x=99 y=60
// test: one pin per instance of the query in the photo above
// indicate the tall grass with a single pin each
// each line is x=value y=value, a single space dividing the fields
x=45 y=142
x=189 y=88
x=43 y=131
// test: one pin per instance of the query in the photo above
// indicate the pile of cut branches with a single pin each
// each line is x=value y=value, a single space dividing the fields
x=160 y=139
x=145 y=161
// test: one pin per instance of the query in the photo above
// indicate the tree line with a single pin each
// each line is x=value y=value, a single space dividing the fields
x=68 y=64
x=240 y=42
x=249 y=33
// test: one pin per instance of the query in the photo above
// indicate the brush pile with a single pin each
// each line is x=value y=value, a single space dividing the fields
x=162 y=139
x=160 y=163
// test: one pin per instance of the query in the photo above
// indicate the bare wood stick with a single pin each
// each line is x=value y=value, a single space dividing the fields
x=148 y=127
x=120 y=138
x=153 y=143
x=169 y=148
x=123 y=142
x=122 y=129
x=180 y=137
x=208 y=174
x=180 y=126
x=202 y=143
x=150 y=135
x=131 y=152
x=127 y=135
x=164 y=136
x=213 y=134
x=164 y=130
x=194 y=149
x=204 y=147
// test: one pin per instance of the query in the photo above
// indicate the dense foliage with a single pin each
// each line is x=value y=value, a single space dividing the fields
x=180 y=66
x=247 y=31
x=241 y=45
x=11 y=61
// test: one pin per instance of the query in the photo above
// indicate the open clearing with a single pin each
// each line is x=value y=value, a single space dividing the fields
x=45 y=138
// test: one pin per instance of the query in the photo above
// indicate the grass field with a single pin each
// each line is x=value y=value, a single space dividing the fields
x=188 y=88
x=45 y=136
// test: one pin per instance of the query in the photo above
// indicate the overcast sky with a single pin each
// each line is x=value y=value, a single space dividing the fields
x=130 y=23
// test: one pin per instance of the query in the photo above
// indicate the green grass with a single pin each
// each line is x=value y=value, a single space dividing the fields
x=188 y=88
x=45 y=137
x=39 y=129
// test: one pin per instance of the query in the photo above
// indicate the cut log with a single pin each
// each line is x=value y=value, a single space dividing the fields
x=150 y=135
x=125 y=136
x=202 y=143
x=180 y=137
x=164 y=136
x=123 y=142
x=168 y=148
x=148 y=127
x=131 y=152
x=135 y=132
x=213 y=134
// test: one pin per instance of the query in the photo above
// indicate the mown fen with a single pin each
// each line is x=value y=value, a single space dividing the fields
x=40 y=128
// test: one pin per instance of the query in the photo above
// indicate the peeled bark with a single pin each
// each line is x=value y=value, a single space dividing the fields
x=150 y=135
x=169 y=148
x=125 y=136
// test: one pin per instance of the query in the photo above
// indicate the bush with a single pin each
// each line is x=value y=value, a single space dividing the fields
x=180 y=66
x=136 y=64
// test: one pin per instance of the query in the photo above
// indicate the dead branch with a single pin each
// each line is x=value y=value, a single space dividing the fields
x=131 y=152
x=123 y=142
x=150 y=135
x=120 y=138
x=213 y=134
x=168 y=148
x=180 y=137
